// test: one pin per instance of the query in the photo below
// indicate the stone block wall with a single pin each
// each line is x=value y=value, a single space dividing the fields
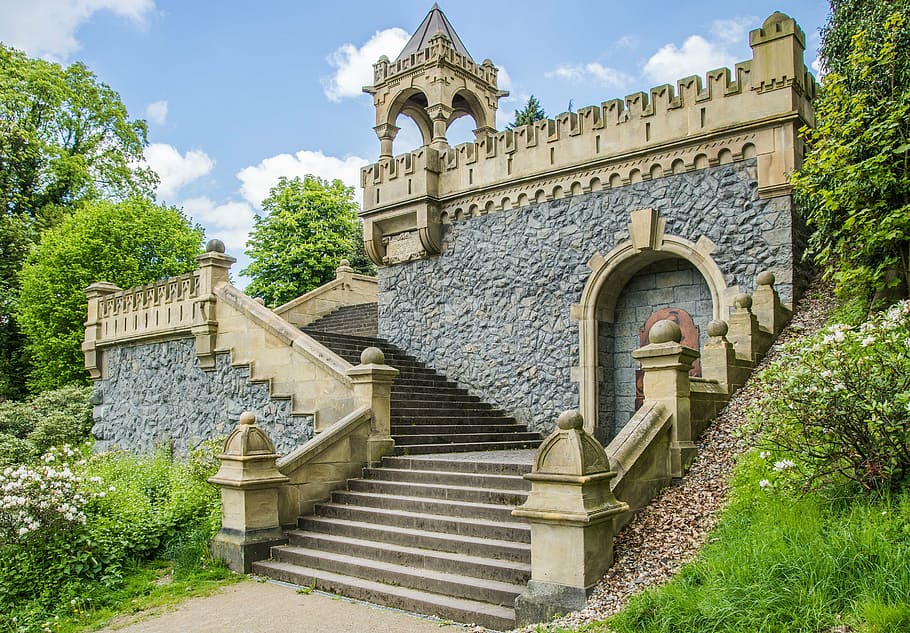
x=163 y=385
x=492 y=310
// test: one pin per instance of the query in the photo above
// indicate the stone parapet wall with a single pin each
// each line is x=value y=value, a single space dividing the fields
x=157 y=393
x=492 y=310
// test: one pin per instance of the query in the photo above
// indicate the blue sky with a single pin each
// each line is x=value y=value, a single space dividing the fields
x=239 y=93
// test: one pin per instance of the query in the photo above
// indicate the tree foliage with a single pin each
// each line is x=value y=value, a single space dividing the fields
x=127 y=243
x=65 y=138
x=532 y=111
x=309 y=225
x=856 y=175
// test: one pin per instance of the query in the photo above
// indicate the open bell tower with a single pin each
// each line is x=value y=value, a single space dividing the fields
x=434 y=81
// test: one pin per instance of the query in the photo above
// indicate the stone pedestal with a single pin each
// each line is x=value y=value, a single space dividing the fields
x=571 y=510
x=666 y=364
x=372 y=380
x=250 y=483
x=772 y=315
x=749 y=340
x=214 y=268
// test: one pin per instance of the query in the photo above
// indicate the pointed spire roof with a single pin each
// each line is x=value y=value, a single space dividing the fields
x=435 y=22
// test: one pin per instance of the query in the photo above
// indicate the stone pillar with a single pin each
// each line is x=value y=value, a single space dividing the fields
x=96 y=293
x=571 y=510
x=250 y=484
x=718 y=358
x=372 y=380
x=439 y=115
x=386 y=133
x=666 y=364
x=766 y=305
x=745 y=333
x=214 y=269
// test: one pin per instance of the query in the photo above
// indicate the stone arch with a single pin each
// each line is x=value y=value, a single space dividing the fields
x=466 y=103
x=412 y=103
x=610 y=274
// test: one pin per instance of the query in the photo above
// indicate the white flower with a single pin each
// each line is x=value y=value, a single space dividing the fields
x=764 y=454
x=866 y=342
x=784 y=464
x=764 y=483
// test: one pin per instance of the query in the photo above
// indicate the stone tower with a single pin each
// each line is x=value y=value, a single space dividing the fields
x=434 y=81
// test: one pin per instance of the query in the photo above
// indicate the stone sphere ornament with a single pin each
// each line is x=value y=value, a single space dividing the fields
x=718 y=328
x=742 y=302
x=765 y=278
x=372 y=356
x=214 y=246
x=569 y=420
x=665 y=331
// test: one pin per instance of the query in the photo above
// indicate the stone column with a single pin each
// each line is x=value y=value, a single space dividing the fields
x=571 y=510
x=250 y=484
x=745 y=333
x=386 y=133
x=372 y=380
x=213 y=270
x=766 y=305
x=96 y=293
x=666 y=364
x=439 y=115
x=718 y=356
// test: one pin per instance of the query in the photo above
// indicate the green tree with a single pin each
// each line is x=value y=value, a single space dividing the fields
x=128 y=243
x=65 y=137
x=309 y=225
x=530 y=113
x=855 y=180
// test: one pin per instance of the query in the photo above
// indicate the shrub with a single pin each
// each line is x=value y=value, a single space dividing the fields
x=52 y=418
x=72 y=528
x=837 y=405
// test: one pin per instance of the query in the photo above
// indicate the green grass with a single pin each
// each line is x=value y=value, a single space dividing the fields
x=780 y=563
x=145 y=590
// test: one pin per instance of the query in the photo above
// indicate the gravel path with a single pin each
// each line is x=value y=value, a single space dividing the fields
x=672 y=529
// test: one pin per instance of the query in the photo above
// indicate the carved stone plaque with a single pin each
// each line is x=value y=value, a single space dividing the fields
x=403 y=248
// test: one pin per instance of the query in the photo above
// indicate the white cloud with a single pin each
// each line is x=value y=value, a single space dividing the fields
x=157 y=112
x=626 y=41
x=698 y=55
x=593 y=71
x=175 y=170
x=819 y=67
x=734 y=30
x=47 y=28
x=503 y=79
x=259 y=179
x=230 y=222
x=354 y=66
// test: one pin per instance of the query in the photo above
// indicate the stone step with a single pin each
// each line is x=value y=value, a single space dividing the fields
x=501 y=463
x=499 y=530
x=448 y=478
x=459 y=610
x=415 y=557
x=429 y=449
x=462 y=509
x=437 y=541
x=399 y=390
x=433 y=581
x=450 y=415
x=465 y=436
x=432 y=491
x=454 y=429
x=431 y=407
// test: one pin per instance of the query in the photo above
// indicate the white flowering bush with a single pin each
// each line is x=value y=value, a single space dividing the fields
x=40 y=499
x=74 y=524
x=836 y=406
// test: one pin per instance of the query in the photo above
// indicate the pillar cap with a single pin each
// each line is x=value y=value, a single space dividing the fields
x=570 y=450
x=665 y=331
x=248 y=439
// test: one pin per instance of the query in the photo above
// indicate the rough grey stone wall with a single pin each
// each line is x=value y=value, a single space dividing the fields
x=156 y=393
x=670 y=283
x=492 y=310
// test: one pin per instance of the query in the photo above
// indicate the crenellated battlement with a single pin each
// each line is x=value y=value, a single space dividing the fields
x=753 y=110
x=439 y=50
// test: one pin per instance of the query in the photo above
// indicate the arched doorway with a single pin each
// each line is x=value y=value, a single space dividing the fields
x=649 y=272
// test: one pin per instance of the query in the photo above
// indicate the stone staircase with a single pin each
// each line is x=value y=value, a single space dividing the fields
x=430 y=529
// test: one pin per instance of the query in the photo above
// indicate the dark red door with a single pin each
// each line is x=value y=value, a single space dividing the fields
x=689 y=338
